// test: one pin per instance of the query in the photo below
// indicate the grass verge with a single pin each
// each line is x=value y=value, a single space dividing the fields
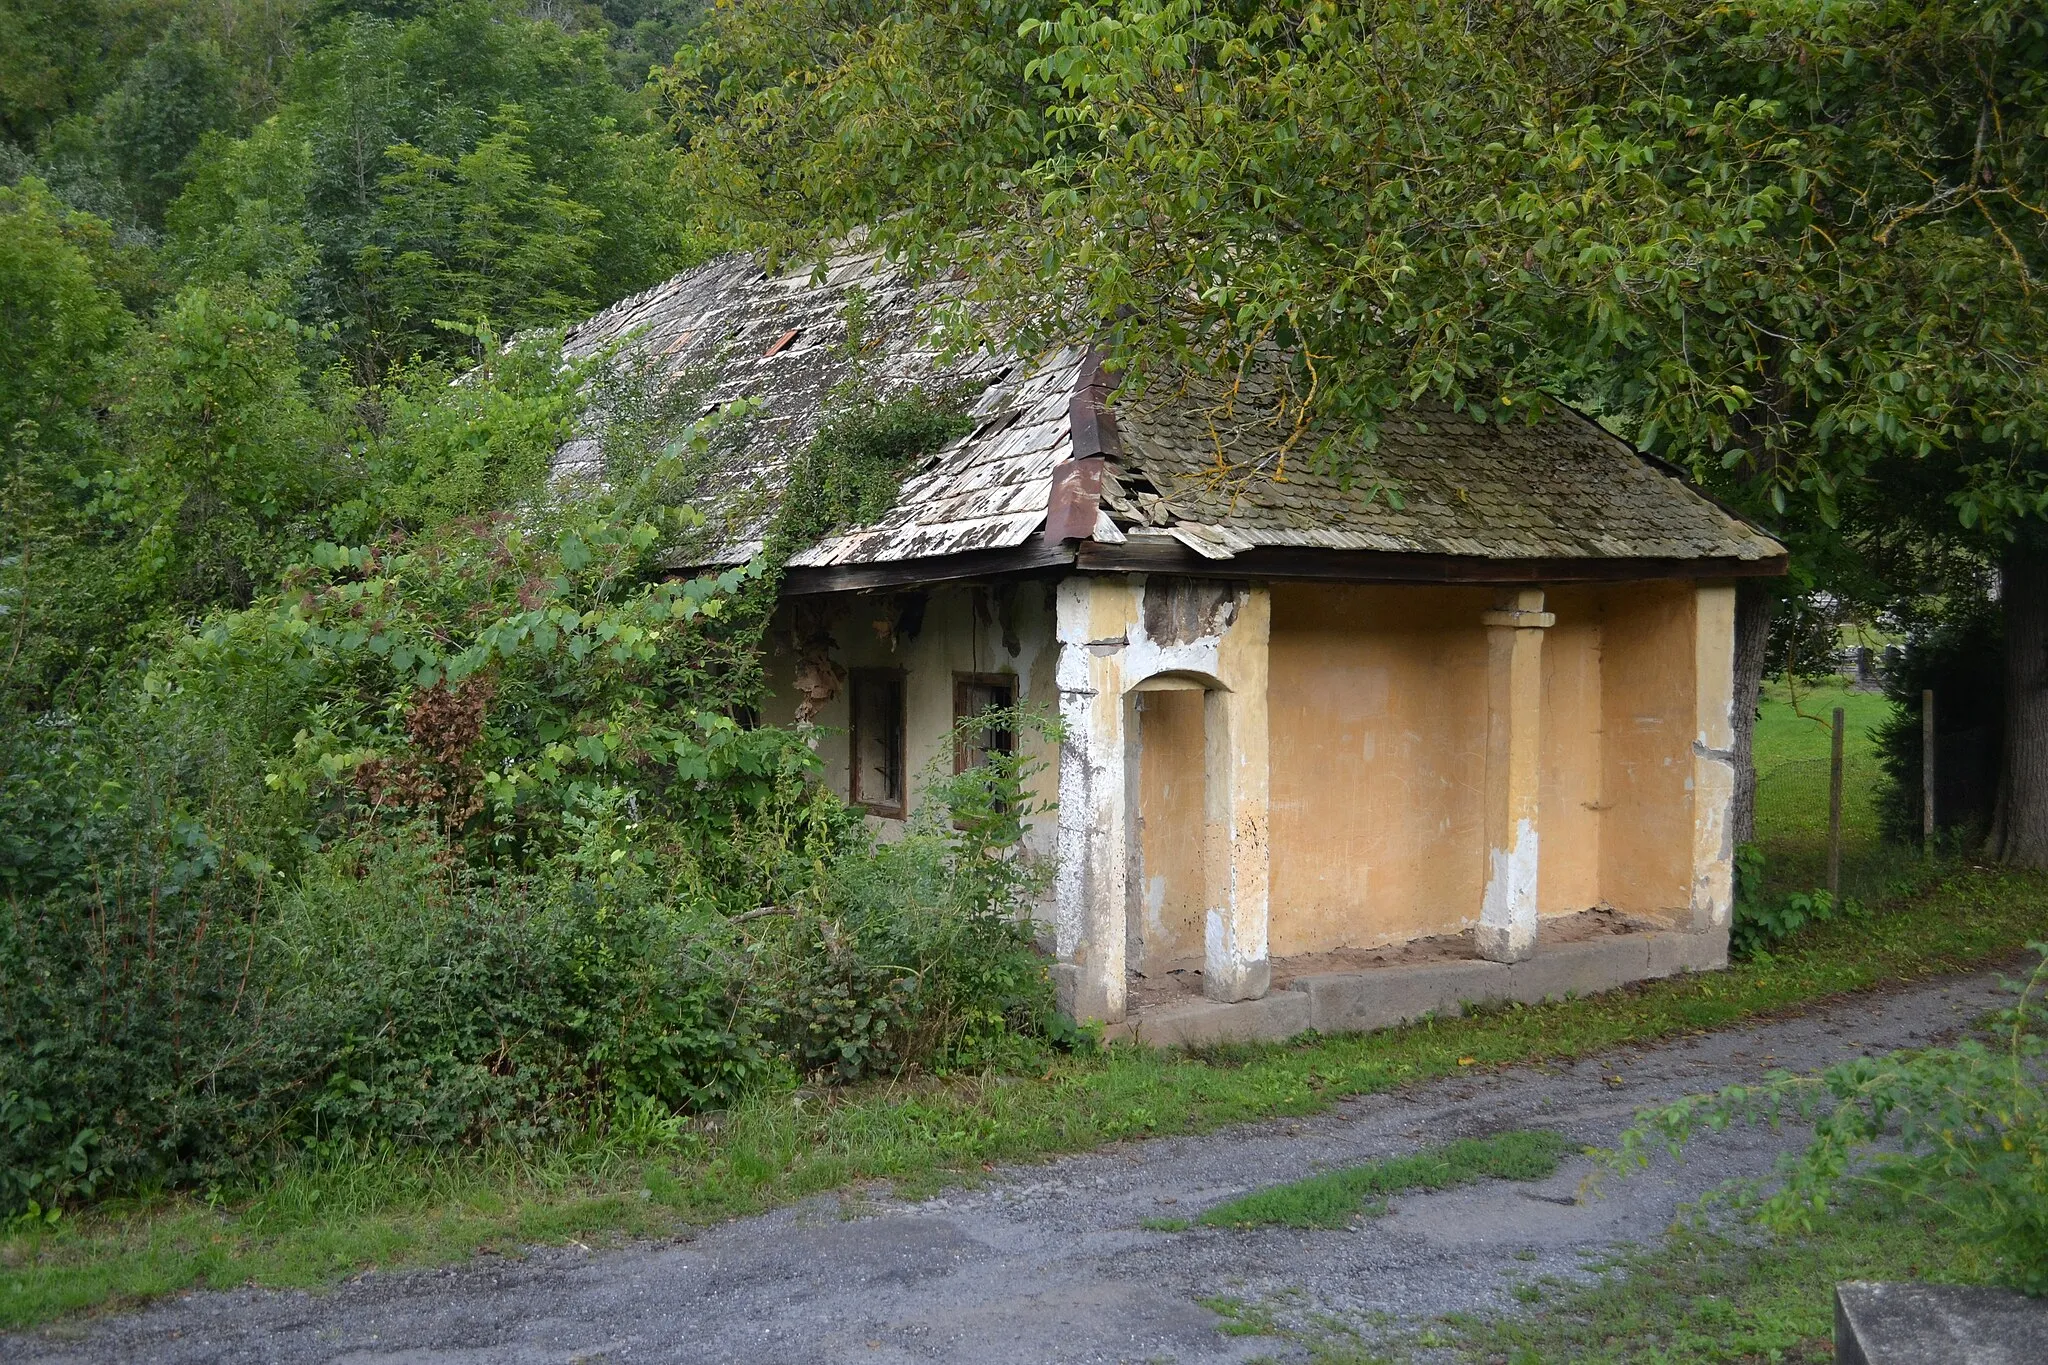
x=324 y=1217
x=1700 y=1296
x=1334 y=1198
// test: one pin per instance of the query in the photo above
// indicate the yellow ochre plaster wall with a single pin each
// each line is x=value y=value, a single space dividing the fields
x=1648 y=721
x=1169 y=886
x=1378 y=715
x=1377 y=718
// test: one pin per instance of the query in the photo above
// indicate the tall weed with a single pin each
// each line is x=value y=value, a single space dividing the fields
x=1960 y=1133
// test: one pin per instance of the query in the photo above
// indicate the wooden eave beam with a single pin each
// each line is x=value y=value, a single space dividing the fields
x=1031 y=557
x=1378 y=566
x=1269 y=562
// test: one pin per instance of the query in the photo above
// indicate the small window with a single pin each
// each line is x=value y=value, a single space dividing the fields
x=974 y=693
x=876 y=746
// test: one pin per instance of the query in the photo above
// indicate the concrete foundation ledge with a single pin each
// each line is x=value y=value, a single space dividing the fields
x=1937 y=1324
x=1674 y=953
x=1359 y=1002
x=1274 y=1019
x=1585 y=968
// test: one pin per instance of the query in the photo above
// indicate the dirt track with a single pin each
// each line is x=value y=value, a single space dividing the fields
x=1048 y=1263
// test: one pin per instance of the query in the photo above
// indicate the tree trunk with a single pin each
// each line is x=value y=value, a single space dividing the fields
x=1752 y=634
x=2019 y=831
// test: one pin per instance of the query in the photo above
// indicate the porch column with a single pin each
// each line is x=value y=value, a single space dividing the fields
x=1236 y=962
x=1514 y=705
x=1093 y=617
x=1713 y=759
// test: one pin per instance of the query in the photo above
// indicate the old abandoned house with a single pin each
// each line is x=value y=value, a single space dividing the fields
x=1331 y=759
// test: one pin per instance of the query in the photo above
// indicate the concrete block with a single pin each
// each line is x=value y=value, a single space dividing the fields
x=1066 y=985
x=1577 y=969
x=1357 y=1002
x=1354 y=1002
x=1274 y=1019
x=1672 y=953
x=1937 y=1324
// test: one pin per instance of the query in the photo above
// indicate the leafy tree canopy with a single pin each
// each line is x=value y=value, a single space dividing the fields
x=1783 y=238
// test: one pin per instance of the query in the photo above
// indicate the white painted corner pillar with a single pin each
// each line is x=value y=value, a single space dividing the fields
x=1237 y=962
x=1120 y=635
x=1713 y=759
x=1514 y=737
x=1093 y=615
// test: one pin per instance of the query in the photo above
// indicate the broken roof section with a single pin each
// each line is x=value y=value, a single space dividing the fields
x=1183 y=464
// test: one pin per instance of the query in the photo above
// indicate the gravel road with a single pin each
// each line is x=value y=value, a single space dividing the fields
x=1048 y=1263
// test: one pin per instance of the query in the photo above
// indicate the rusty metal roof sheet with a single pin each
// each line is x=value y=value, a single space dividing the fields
x=1189 y=463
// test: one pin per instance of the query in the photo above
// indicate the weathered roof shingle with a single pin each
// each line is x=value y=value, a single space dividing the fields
x=1436 y=483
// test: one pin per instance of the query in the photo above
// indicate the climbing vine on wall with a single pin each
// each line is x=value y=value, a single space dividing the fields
x=851 y=471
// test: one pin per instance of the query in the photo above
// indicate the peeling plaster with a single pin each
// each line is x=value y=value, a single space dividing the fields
x=1507 y=914
x=1713 y=784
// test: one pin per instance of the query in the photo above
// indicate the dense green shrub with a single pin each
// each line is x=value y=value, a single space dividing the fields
x=1961 y=1132
x=190 y=1028
x=440 y=1005
x=132 y=1046
x=196 y=984
x=919 y=953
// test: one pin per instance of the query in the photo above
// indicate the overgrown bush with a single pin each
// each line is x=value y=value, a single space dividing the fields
x=1761 y=921
x=433 y=1003
x=131 y=1043
x=1961 y=1133
x=187 y=1028
x=457 y=840
x=920 y=952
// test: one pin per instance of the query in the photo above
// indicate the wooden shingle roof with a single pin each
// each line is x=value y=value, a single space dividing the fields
x=1182 y=464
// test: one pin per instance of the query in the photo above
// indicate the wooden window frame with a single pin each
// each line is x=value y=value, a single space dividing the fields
x=963 y=681
x=858 y=680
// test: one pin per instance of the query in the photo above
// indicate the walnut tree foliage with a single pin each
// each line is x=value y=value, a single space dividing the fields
x=1783 y=238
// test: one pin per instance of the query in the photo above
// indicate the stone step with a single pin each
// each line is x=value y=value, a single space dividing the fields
x=1937 y=1324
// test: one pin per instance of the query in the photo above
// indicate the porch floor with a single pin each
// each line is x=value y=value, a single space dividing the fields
x=1358 y=989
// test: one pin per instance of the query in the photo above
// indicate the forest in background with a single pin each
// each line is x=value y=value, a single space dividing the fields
x=257 y=238
x=355 y=792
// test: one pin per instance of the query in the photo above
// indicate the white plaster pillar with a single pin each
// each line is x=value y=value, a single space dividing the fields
x=1713 y=759
x=1236 y=955
x=1514 y=717
x=1093 y=620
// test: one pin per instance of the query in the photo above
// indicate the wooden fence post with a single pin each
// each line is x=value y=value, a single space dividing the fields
x=1927 y=768
x=1835 y=811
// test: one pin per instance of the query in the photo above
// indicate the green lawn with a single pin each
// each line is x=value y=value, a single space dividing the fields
x=313 y=1223
x=1792 y=743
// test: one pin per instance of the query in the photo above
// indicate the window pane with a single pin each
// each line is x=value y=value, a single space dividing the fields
x=974 y=693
